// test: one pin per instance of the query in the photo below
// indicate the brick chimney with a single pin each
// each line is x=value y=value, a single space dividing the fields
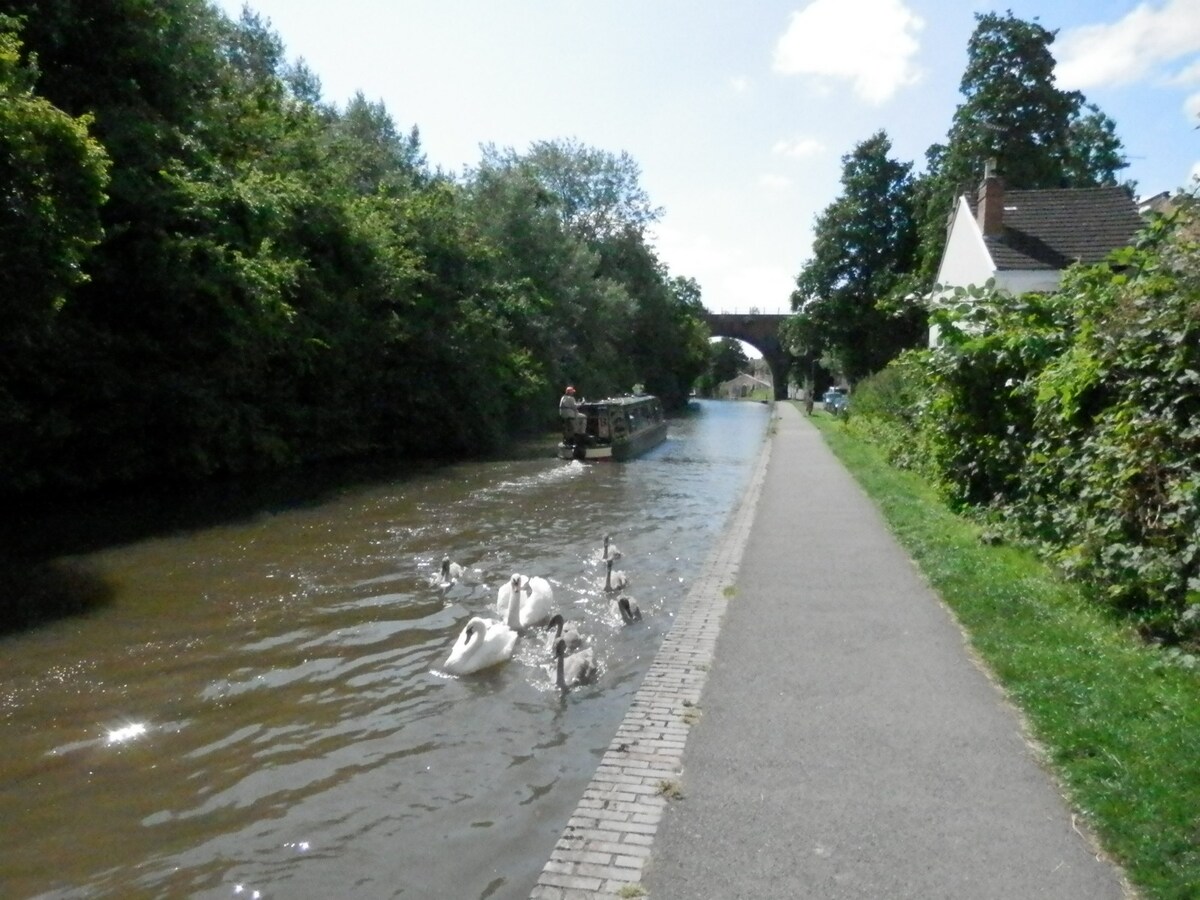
x=989 y=212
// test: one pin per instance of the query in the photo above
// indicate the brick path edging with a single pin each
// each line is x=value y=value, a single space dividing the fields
x=607 y=841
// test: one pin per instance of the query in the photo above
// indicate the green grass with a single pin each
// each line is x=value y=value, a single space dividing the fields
x=1119 y=721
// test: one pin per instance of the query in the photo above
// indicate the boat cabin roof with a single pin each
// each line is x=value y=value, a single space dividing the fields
x=630 y=400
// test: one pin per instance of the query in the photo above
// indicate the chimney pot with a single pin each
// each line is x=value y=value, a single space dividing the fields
x=989 y=212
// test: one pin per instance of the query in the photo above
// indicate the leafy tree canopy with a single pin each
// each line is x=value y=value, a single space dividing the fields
x=1012 y=111
x=53 y=175
x=596 y=193
x=210 y=270
x=863 y=244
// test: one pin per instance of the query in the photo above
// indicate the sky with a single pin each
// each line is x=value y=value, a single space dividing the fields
x=737 y=112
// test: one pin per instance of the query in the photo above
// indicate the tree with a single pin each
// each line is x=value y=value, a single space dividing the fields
x=53 y=175
x=1040 y=136
x=590 y=298
x=272 y=280
x=563 y=315
x=863 y=244
x=375 y=155
x=726 y=359
x=596 y=193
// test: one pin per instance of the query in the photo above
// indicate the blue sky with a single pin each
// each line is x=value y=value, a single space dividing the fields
x=737 y=113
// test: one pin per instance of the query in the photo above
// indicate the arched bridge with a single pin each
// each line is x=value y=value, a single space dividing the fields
x=760 y=331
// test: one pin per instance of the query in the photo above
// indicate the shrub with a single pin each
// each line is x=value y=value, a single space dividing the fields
x=1075 y=416
x=887 y=406
x=1113 y=480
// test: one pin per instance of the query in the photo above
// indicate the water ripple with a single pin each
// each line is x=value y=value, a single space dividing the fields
x=281 y=721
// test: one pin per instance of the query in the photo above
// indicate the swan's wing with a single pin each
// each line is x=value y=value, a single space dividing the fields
x=538 y=605
x=579 y=666
x=459 y=659
x=501 y=641
x=494 y=643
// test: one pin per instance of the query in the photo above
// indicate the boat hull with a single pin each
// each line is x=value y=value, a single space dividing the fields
x=633 y=446
x=617 y=429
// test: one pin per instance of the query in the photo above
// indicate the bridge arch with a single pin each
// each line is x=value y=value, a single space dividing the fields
x=760 y=331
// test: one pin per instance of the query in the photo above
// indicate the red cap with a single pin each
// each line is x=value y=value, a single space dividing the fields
x=570 y=390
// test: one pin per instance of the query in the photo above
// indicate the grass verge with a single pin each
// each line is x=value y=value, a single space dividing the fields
x=1119 y=722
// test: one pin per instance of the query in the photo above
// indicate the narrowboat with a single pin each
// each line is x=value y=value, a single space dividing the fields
x=617 y=428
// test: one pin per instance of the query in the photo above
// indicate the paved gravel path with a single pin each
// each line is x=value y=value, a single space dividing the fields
x=818 y=710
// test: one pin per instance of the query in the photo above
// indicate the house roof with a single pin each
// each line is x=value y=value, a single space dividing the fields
x=1053 y=228
x=745 y=378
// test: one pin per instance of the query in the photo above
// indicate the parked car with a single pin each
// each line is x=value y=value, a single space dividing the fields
x=835 y=400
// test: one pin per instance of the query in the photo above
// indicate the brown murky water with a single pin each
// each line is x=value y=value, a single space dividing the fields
x=258 y=711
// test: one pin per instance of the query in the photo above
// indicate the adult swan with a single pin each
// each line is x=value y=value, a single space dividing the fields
x=481 y=644
x=524 y=602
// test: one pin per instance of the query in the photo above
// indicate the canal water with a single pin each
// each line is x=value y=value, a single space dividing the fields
x=257 y=709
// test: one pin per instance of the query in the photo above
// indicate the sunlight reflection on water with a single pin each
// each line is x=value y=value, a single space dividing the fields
x=279 y=724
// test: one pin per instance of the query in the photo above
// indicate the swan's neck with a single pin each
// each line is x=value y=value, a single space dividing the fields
x=473 y=637
x=562 y=680
x=514 y=609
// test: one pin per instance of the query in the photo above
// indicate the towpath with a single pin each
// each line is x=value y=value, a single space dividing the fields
x=814 y=726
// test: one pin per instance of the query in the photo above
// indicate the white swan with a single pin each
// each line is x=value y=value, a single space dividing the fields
x=614 y=581
x=578 y=668
x=482 y=643
x=564 y=630
x=533 y=596
x=629 y=609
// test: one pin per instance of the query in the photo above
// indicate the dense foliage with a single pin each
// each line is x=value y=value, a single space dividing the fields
x=880 y=242
x=727 y=361
x=1013 y=112
x=1073 y=420
x=52 y=180
x=864 y=243
x=209 y=269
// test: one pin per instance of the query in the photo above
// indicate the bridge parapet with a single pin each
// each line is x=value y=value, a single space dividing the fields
x=761 y=331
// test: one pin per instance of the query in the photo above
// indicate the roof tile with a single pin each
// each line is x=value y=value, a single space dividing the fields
x=1053 y=228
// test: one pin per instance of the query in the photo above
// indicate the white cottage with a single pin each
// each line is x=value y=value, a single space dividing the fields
x=1025 y=239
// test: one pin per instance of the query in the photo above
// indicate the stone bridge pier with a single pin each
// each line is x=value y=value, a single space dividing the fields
x=760 y=331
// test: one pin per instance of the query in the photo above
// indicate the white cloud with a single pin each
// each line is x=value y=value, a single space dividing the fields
x=1188 y=74
x=1191 y=108
x=798 y=147
x=870 y=43
x=729 y=280
x=1194 y=176
x=740 y=84
x=1129 y=49
x=775 y=182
